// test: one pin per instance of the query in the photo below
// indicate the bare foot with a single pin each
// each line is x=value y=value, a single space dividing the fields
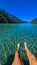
x=25 y=45
x=31 y=57
x=17 y=59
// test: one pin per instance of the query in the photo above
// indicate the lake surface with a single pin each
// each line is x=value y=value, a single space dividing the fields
x=12 y=34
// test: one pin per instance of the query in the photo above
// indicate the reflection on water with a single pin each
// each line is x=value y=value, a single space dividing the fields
x=11 y=34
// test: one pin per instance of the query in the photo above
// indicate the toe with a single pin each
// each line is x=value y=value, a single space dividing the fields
x=25 y=45
x=18 y=47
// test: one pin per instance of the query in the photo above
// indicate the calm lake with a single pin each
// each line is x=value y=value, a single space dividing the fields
x=12 y=34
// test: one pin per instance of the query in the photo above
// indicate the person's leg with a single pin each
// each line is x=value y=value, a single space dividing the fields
x=17 y=59
x=31 y=57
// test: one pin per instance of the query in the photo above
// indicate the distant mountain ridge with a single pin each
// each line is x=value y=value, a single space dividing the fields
x=8 y=18
x=34 y=21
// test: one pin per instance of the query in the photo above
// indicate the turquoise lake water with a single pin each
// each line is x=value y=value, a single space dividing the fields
x=12 y=34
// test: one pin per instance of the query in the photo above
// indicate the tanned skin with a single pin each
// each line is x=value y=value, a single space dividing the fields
x=18 y=59
x=31 y=57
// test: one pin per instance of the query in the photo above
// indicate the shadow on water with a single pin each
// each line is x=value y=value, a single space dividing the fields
x=11 y=58
x=26 y=62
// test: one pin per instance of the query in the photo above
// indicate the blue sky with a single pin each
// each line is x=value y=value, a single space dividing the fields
x=23 y=9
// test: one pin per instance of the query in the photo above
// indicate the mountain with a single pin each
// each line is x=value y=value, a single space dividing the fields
x=34 y=21
x=25 y=21
x=8 y=18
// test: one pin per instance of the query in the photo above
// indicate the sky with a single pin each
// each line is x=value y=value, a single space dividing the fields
x=26 y=10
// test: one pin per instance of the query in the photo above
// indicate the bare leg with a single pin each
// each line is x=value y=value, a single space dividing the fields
x=31 y=57
x=17 y=59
